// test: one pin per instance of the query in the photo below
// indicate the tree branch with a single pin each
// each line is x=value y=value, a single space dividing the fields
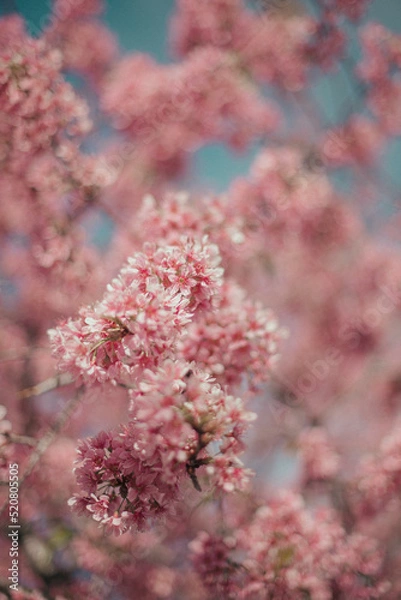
x=46 y=386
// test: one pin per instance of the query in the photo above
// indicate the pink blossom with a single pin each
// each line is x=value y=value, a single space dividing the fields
x=285 y=551
x=168 y=108
x=142 y=314
x=328 y=43
x=239 y=333
x=72 y=9
x=133 y=475
x=319 y=459
x=379 y=480
x=36 y=104
x=130 y=476
x=88 y=47
x=171 y=387
x=353 y=10
x=270 y=47
x=357 y=141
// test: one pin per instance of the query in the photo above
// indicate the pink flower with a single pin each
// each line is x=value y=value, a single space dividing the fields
x=268 y=46
x=142 y=314
x=285 y=551
x=73 y=9
x=379 y=482
x=318 y=457
x=87 y=47
x=37 y=106
x=168 y=108
x=353 y=9
x=130 y=476
x=241 y=336
x=356 y=142
x=128 y=479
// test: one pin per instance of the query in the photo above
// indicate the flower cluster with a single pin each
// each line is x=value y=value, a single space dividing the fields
x=124 y=481
x=170 y=353
x=170 y=108
x=179 y=214
x=379 y=71
x=288 y=196
x=328 y=43
x=358 y=141
x=271 y=48
x=76 y=9
x=87 y=46
x=379 y=483
x=352 y=10
x=319 y=459
x=142 y=314
x=35 y=102
x=165 y=326
x=133 y=475
x=240 y=337
x=286 y=551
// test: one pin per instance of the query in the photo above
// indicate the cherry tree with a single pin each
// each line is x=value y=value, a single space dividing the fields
x=200 y=391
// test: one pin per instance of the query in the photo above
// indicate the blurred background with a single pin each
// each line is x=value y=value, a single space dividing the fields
x=143 y=25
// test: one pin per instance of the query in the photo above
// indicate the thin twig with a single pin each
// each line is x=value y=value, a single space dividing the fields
x=46 y=386
x=20 y=439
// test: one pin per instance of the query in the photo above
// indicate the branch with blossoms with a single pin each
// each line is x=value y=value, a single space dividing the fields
x=213 y=378
x=140 y=336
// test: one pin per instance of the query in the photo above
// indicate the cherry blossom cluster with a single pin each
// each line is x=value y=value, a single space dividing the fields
x=319 y=459
x=380 y=478
x=36 y=103
x=241 y=337
x=76 y=9
x=357 y=141
x=142 y=314
x=180 y=214
x=281 y=200
x=286 y=551
x=236 y=338
x=379 y=71
x=163 y=328
x=284 y=200
x=169 y=109
x=271 y=49
x=166 y=358
x=352 y=10
x=87 y=46
x=133 y=475
x=44 y=171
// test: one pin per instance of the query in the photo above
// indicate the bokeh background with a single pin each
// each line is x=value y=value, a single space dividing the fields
x=142 y=26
